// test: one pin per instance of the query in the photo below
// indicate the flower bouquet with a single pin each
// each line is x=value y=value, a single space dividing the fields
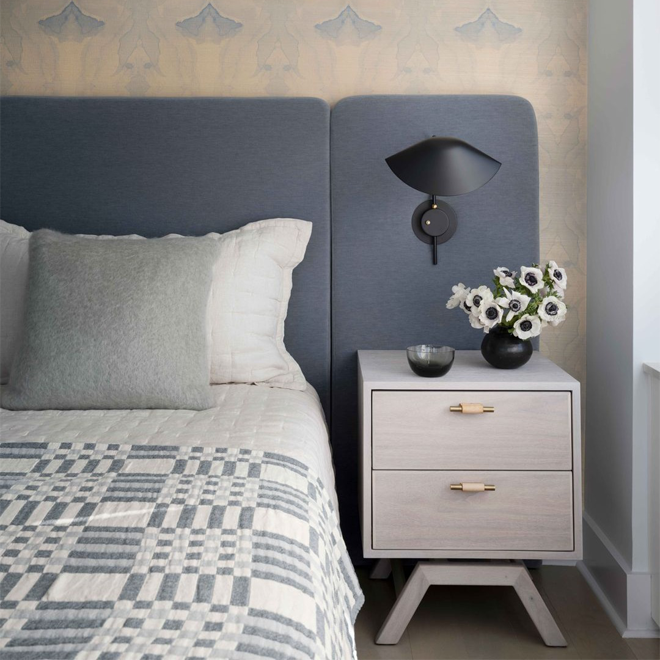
x=517 y=310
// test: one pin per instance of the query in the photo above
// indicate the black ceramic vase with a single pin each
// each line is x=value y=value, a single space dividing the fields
x=505 y=351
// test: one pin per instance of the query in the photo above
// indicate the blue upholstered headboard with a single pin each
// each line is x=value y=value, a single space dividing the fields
x=189 y=166
x=154 y=166
x=386 y=291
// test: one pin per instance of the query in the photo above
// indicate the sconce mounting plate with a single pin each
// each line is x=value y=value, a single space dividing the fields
x=441 y=222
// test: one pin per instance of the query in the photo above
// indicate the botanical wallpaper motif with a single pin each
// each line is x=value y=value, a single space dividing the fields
x=329 y=48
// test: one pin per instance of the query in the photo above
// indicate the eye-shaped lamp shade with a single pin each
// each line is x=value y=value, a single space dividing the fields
x=443 y=166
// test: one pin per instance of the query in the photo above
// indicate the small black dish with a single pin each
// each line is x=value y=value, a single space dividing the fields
x=430 y=361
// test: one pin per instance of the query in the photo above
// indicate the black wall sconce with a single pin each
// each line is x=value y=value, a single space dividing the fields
x=444 y=166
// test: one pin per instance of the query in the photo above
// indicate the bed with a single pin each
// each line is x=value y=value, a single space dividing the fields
x=153 y=533
x=173 y=533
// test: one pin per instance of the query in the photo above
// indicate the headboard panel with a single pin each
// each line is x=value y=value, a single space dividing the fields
x=188 y=166
x=386 y=292
x=82 y=165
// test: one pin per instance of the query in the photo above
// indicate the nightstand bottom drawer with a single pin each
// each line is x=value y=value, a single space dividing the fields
x=418 y=510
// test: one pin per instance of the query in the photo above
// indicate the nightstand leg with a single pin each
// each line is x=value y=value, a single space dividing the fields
x=488 y=573
x=538 y=610
x=406 y=604
x=381 y=570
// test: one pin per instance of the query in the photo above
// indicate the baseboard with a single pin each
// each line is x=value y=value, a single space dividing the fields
x=624 y=594
x=618 y=622
x=641 y=634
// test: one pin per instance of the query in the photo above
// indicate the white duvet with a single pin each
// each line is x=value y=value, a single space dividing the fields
x=245 y=416
x=173 y=533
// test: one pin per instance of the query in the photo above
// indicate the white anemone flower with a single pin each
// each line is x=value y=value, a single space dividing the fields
x=515 y=302
x=557 y=275
x=527 y=327
x=460 y=293
x=477 y=297
x=476 y=323
x=491 y=314
x=552 y=310
x=532 y=278
x=505 y=276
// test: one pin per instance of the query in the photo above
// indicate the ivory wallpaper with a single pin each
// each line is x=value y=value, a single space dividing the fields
x=328 y=48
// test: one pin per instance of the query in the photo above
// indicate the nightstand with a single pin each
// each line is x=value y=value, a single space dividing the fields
x=481 y=464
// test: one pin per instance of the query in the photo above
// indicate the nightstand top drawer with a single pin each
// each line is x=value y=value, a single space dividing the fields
x=424 y=430
x=526 y=511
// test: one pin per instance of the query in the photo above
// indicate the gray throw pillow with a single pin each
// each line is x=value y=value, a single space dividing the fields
x=114 y=324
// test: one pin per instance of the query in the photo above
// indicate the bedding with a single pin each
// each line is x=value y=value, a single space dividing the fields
x=247 y=308
x=13 y=285
x=114 y=324
x=250 y=300
x=154 y=533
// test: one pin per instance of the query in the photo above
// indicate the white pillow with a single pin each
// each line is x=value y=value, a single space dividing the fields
x=248 y=305
x=249 y=302
x=13 y=283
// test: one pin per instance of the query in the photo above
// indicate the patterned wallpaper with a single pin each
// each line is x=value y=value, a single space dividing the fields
x=328 y=48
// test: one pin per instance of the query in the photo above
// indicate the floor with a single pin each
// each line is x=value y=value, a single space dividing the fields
x=490 y=623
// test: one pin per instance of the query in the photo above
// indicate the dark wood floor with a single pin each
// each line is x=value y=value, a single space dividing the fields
x=490 y=623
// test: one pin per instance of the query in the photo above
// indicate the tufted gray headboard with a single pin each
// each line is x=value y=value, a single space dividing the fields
x=386 y=293
x=188 y=166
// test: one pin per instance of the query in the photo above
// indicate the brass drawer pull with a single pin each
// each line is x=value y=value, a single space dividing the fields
x=471 y=487
x=472 y=408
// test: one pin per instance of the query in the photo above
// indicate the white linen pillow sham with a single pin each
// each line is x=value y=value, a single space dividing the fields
x=14 y=243
x=249 y=302
x=247 y=309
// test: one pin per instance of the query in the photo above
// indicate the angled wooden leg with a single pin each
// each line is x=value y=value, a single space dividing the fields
x=538 y=610
x=381 y=570
x=406 y=604
x=488 y=573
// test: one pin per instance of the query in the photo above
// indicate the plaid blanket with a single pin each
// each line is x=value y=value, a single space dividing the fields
x=138 y=551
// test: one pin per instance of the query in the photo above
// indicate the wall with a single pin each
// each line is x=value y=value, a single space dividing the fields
x=536 y=49
x=646 y=247
x=608 y=492
x=624 y=228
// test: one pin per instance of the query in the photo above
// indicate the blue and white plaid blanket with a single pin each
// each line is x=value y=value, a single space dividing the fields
x=136 y=551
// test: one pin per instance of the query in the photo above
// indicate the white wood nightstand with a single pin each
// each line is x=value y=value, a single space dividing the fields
x=441 y=480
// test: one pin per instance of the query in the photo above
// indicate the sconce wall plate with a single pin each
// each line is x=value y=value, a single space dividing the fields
x=434 y=225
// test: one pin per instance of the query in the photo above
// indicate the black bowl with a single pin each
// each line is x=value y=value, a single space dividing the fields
x=504 y=351
x=430 y=361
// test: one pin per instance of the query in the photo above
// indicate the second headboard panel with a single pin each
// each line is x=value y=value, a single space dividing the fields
x=387 y=294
